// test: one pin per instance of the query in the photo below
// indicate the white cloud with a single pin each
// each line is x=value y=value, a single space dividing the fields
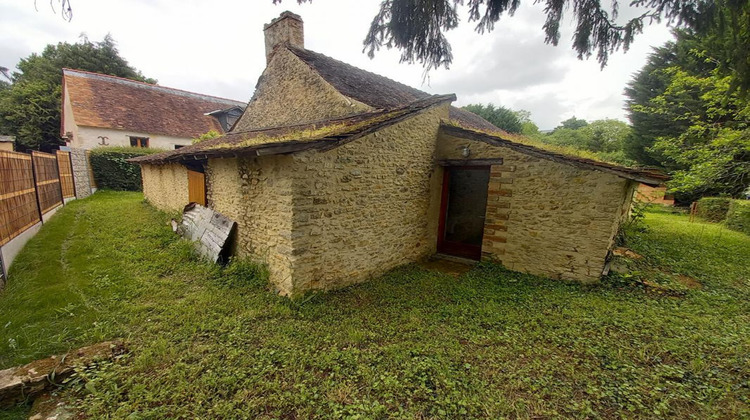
x=217 y=48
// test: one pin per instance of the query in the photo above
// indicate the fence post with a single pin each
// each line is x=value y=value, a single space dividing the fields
x=36 y=189
x=59 y=179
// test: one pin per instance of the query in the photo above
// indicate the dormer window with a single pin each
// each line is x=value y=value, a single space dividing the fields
x=227 y=117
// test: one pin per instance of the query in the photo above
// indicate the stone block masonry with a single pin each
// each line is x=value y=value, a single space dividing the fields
x=544 y=217
x=81 y=172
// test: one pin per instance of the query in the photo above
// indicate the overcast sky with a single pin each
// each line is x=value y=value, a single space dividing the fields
x=216 y=47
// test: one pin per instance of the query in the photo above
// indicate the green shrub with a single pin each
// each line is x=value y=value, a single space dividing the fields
x=713 y=209
x=113 y=171
x=738 y=216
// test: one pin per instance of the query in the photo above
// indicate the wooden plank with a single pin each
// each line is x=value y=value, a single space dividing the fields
x=16 y=193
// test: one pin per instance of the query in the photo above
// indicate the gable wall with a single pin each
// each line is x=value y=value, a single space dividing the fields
x=165 y=186
x=289 y=92
x=88 y=138
x=68 y=119
x=257 y=194
x=545 y=217
x=367 y=206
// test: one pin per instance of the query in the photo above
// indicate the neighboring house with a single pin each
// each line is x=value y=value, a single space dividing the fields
x=335 y=175
x=6 y=143
x=654 y=195
x=100 y=110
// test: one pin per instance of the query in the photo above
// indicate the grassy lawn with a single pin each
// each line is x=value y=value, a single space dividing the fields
x=214 y=343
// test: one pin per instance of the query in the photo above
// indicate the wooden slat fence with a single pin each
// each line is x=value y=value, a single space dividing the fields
x=18 y=202
x=47 y=178
x=65 y=171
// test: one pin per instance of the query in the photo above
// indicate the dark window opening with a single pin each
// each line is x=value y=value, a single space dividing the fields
x=178 y=146
x=138 y=141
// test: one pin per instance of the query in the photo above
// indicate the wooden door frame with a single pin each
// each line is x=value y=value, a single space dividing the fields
x=473 y=252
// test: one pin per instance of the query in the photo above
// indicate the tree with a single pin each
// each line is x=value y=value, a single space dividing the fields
x=605 y=138
x=573 y=123
x=500 y=116
x=711 y=156
x=418 y=28
x=688 y=115
x=30 y=106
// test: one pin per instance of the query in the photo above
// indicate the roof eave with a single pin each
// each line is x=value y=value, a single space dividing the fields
x=298 y=145
x=648 y=178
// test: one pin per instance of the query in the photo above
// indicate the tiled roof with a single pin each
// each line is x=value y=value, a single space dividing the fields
x=106 y=101
x=320 y=135
x=7 y=139
x=378 y=91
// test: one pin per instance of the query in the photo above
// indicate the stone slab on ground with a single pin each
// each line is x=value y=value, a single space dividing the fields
x=20 y=383
x=451 y=266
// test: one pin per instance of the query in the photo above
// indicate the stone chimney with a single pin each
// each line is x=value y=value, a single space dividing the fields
x=285 y=29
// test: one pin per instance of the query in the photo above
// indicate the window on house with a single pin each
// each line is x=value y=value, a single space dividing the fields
x=138 y=141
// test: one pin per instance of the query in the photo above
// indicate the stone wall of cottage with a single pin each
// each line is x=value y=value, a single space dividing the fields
x=257 y=194
x=289 y=92
x=367 y=206
x=165 y=186
x=544 y=217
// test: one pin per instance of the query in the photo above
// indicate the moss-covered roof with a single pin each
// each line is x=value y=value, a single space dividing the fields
x=573 y=157
x=319 y=135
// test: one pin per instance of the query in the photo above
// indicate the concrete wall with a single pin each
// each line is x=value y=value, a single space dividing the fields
x=257 y=194
x=88 y=138
x=10 y=250
x=544 y=217
x=165 y=186
x=289 y=92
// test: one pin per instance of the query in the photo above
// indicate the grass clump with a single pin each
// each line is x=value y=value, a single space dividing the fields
x=210 y=342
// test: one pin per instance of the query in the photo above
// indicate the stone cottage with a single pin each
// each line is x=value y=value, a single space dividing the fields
x=335 y=175
x=101 y=110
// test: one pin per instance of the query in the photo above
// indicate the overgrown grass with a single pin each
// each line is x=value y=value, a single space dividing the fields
x=214 y=343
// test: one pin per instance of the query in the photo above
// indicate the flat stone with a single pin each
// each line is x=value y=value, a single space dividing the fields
x=22 y=382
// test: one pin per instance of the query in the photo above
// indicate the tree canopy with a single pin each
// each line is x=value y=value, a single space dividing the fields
x=688 y=116
x=500 y=116
x=30 y=105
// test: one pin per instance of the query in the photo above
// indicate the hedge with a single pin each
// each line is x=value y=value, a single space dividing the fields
x=713 y=209
x=112 y=171
x=738 y=216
